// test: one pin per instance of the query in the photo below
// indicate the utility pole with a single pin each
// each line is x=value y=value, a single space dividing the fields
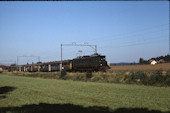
x=95 y=48
x=169 y=28
x=17 y=60
x=61 y=59
x=38 y=58
x=74 y=44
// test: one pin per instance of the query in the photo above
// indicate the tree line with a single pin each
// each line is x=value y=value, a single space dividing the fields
x=166 y=58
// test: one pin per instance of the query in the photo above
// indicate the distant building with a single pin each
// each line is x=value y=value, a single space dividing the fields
x=161 y=61
x=3 y=67
x=153 y=62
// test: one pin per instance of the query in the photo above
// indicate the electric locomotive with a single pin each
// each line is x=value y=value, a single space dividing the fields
x=94 y=62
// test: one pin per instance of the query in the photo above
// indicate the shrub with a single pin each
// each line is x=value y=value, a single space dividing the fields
x=167 y=81
x=117 y=80
x=96 y=78
x=157 y=78
x=63 y=73
x=138 y=77
x=142 y=77
x=88 y=75
x=1 y=72
x=168 y=73
x=132 y=77
x=81 y=77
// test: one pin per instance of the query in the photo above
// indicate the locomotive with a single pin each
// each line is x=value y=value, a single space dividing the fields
x=90 y=63
x=94 y=62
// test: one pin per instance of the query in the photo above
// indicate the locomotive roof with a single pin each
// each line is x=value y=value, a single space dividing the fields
x=94 y=55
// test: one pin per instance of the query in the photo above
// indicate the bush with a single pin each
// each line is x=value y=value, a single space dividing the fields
x=142 y=77
x=156 y=77
x=138 y=77
x=81 y=77
x=88 y=75
x=1 y=72
x=117 y=80
x=167 y=81
x=168 y=73
x=63 y=73
x=96 y=78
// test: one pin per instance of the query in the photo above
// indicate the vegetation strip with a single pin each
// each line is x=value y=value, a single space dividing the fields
x=149 y=77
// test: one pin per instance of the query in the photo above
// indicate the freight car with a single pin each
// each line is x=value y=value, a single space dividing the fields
x=94 y=62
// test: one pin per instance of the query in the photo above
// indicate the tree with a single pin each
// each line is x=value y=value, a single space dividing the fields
x=141 y=61
x=39 y=62
x=13 y=65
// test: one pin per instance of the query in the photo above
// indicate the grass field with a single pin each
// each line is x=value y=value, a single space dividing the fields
x=32 y=95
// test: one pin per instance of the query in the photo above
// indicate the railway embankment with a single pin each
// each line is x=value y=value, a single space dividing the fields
x=140 y=77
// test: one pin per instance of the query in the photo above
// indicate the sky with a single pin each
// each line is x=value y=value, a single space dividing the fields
x=123 y=31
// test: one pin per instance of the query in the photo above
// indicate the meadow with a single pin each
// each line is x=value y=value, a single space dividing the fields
x=19 y=94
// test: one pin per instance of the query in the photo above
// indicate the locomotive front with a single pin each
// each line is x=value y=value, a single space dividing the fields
x=103 y=63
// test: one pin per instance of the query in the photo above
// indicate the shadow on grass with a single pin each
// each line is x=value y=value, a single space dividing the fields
x=5 y=90
x=70 y=108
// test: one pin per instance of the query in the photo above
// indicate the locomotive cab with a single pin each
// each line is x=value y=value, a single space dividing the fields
x=103 y=63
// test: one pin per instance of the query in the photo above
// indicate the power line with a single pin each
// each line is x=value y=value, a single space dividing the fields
x=125 y=36
x=134 y=44
x=144 y=40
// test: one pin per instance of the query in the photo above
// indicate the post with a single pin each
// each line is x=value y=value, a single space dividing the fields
x=31 y=68
x=49 y=67
x=24 y=69
x=39 y=68
x=17 y=60
x=39 y=58
x=95 y=48
x=61 y=59
x=19 y=68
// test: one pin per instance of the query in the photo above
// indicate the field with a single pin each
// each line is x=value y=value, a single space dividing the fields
x=163 y=66
x=32 y=95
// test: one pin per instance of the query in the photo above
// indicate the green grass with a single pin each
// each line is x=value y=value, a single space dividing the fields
x=28 y=91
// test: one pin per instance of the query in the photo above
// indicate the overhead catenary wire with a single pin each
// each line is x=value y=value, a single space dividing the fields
x=127 y=36
x=144 y=40
x=138 y=38
x=133 y=44
x=141 y=40
x=122 y=35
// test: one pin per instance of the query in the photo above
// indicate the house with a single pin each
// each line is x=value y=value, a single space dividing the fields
x=3 y=67
x=161 y=61
x=153 y=62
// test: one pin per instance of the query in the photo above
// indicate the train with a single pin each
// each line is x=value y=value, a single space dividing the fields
x=93 y=62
